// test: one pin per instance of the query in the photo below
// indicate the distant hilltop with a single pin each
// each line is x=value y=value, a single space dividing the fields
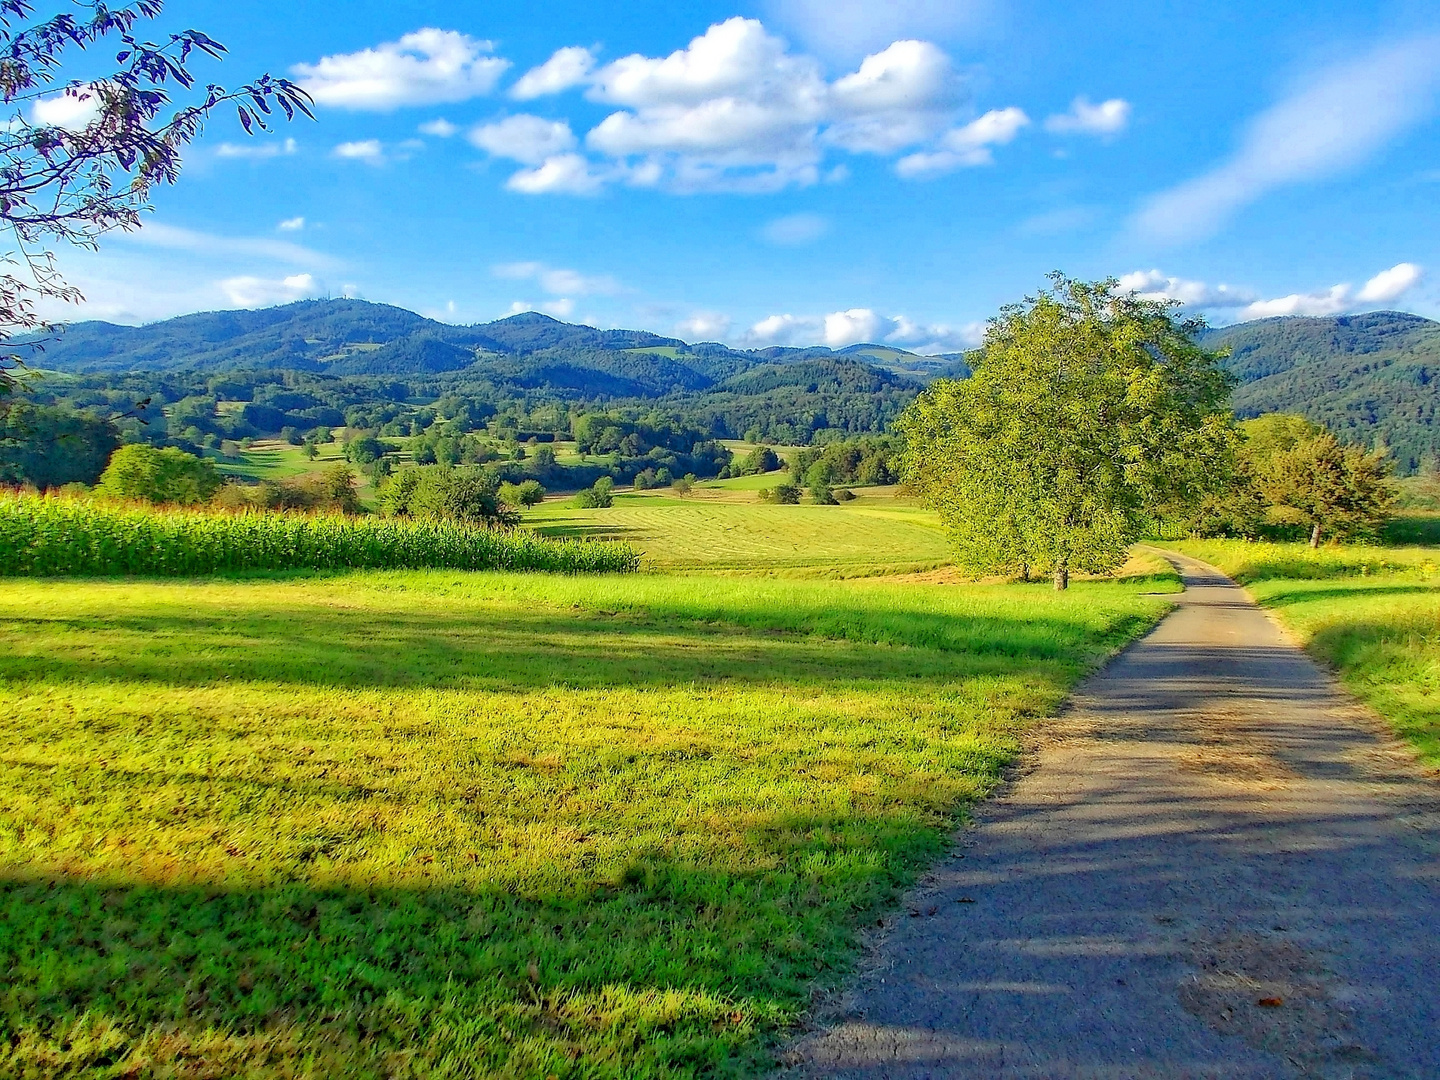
x=1368 y=377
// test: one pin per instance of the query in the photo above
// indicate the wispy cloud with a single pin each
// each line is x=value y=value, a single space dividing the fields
x=252 y=292
x=370 y=151
x=174 y=238
x=257 y=150
x=569 y=67
x=558 y=281
x=1240 y=304
x=1335 y=121
x=796 y=230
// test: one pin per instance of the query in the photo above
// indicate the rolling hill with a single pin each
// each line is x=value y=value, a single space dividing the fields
x=1366 y=377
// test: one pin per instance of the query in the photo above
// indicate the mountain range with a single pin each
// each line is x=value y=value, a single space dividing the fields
x=1368 y=377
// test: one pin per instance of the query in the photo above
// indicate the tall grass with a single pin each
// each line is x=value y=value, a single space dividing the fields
x=43 y=536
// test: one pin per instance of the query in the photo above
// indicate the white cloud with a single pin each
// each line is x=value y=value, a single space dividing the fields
x=968 y=146
x=567 y=174
x=1384 y=287
x=899 y=97
x=794 y=230
x=567 y=68
x=524 y=138
x=557 y=281
x=257 y=150
x=426 y=67
x=556 y=309
x=1338 y=120
x=369 y=151
x=294 y=224
x=251 y=292
x=73 y=111
x=1153 y=285
x=861 y=325
x=439 y=127
x=1108 y=118
x=704 y=326
x=849 y=27
x=1390 y=284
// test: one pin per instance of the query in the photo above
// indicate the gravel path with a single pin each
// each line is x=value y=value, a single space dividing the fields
x=1216 y=865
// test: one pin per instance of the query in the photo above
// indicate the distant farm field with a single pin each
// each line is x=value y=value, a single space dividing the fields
x=867 y=537
x=441 y=824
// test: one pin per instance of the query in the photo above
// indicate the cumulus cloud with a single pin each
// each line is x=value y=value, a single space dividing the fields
x=968 y=146
x=72 y=110
x=294 y=224
x=565 y=174
x=1244 y=304
x=558 y=281
x=1084 y=118
x=568 y=68
x=899 y=97
x=794 y=230
x=861 y=325
x=1390 y=284
x=426 y=67
x=252 y=292
x=1154 y=285
x=257 y=150
x=369 y=151
x=439 y=127
x=1335 y=121
x=524 y=138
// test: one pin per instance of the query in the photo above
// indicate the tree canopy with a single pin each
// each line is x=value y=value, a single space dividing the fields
x=1089 y=410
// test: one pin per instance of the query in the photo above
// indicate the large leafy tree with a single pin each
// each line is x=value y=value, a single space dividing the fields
x=1089 y=411
x=72 y=182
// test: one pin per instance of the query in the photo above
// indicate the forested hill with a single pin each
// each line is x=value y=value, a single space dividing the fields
x=1367 y=376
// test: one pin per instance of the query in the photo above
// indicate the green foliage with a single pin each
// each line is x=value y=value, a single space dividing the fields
x=597 y=497
x=760 y=460
x=822 y=495
x=783 y=494
x=1293 y=478
x=528 y=493
x=172 y=476
x=442 y=493
x=50 y=447
x=331 y=491
x=866 y=461
x=1089 y=410
x=484 y=826
x=47 y=537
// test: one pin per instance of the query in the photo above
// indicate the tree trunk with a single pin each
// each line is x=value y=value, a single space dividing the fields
x=1315 y=536
x=1062 y=576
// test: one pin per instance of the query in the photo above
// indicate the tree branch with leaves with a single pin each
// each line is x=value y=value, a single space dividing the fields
x=71 y=183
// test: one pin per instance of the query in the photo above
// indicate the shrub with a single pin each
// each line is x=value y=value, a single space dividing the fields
x=54 y=536
x=143 y=472
x=443 y=493
x=597 y=497
x=760 y=460
x=527 y=493
x=821 y=495
x=785 y=494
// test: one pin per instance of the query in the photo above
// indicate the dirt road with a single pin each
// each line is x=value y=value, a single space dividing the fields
x=1216 y=866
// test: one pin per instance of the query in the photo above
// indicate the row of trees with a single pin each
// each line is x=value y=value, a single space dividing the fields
x=1091 y=415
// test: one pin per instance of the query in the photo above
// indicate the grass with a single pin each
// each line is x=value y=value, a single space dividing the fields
x=40 y=535
x=853 y=540
x=275 y=460
x=434 y=824
x=1372 y=613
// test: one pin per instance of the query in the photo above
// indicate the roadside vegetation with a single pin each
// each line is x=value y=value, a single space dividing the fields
x=1371 y=612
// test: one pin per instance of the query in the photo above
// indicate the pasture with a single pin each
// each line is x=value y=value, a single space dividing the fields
x=1372 y=613
x=869 y=536
x=433 y=823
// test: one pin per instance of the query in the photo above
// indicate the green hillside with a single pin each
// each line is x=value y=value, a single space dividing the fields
x=1366 y=377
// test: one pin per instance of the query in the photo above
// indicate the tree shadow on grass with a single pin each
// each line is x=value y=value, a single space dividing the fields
x=656 y=967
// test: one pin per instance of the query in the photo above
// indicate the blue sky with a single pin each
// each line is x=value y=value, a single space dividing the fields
x=803 y=171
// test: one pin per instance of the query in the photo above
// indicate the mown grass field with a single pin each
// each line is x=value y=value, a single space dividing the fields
x=1372 y=613
x=869 y=536
x=437 y=824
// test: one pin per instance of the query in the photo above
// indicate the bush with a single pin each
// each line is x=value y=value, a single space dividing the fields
x=598 y=497
x=683 y=486
x=53 y=536
x=785 y=494
x=760 y=460
x=821 y=495
x=527 y=493
x=143 y=472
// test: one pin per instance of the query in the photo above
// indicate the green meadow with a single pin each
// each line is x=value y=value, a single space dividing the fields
x=1371 y=613
x=446 y=824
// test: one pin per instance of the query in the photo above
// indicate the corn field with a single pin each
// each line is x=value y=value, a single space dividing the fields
x=45 y=536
